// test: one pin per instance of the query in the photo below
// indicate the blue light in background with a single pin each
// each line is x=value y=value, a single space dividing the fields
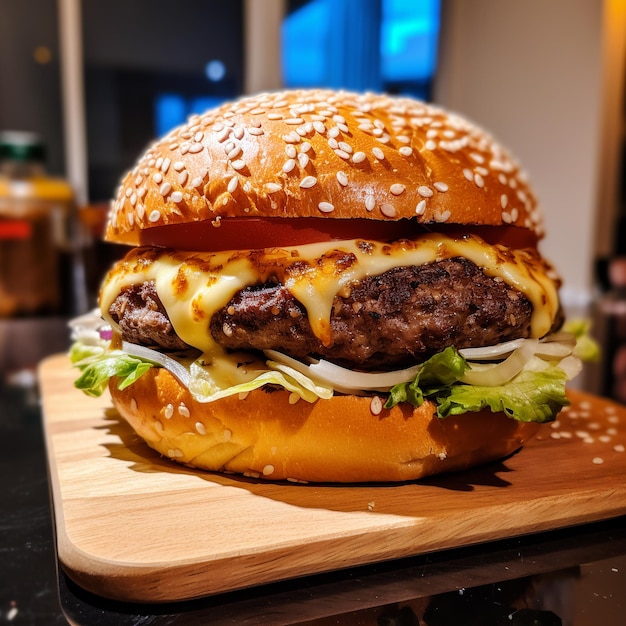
x=407 y=40
x=305 y=36
x=171 y=110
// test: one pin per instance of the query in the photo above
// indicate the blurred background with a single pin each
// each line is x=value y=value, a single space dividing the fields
x=89 y=83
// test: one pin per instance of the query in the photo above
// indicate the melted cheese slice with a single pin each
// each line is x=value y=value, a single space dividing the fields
x=193 y=286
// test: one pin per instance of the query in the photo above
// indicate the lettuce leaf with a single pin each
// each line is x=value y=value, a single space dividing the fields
x=536 y=394
x=98 y=366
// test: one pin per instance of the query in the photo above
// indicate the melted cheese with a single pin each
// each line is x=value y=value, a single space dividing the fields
x=193 y=286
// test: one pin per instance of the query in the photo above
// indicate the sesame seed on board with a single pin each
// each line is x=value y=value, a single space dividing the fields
x=596 y=429
x=288 y=141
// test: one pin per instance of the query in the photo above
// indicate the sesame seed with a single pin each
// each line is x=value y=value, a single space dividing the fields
x=289 y=165
x=305 y=147
x=256 y=131
x=177 y=196
x=169 y=411
x=319 y=127
x=334 y=132
x=183 y=410
x=294 y=121
x=233 y=183
x=430 y=145
x=272 y=187
x=469 y=175
x=292 y=137
x=405 y=151
x=182 y=178
x=442 y=187
x=388 y=210
x=376 y=405
x=333 y=143
x=235 y=152
x=268 y=469
x=166 y=165
x=157 y=178
x=291 y=151
x=358 y=157
x=342 y=154
x=442 y=216
x=598 y=460
x=326 y=207
x=307 y=182
x=238 y=164
x=370 y=203
x=397 y=189
x=238 y=132
x=421 y=207
x=275 y=116
x=194 y=148
x=196 y=182
x=165 y=188
x=378 y=153
x=303 y=159
x=478 y=180
x=140 y=210
x=155 y=216
x=345 y=147
x=200 y=428
x=424 y=191
x=342 y=178
x=504 y=200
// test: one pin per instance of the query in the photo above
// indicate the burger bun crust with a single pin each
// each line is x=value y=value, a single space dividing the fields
x=324 y=154
x=347 y=439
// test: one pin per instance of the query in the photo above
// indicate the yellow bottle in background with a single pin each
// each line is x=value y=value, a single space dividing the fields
x=36 y=226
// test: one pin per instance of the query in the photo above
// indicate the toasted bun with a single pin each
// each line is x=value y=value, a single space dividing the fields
x=324 y=154
x=345 y=439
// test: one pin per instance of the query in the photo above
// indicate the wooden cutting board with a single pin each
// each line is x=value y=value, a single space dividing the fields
x=133 y=526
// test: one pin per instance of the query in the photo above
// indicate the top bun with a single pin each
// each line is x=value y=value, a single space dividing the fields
x=322 y=153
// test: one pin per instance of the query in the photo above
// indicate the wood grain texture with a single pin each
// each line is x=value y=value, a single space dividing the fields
x=133 y=526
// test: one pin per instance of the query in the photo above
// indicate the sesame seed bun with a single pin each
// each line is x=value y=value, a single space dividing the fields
x=344 y=439
x=326 y=154
x=236 y=276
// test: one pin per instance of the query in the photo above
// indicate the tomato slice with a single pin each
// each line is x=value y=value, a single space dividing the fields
x=250 y=233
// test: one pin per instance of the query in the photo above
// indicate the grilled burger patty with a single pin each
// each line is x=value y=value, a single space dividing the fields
x=403 y=315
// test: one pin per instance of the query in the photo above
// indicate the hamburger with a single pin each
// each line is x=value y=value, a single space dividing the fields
x=328 y=286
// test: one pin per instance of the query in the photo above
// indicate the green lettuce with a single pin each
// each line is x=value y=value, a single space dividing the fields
x=98 y=365
x=536 y=394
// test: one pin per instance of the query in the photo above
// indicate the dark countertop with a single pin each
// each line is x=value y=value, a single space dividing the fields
x=574 y=576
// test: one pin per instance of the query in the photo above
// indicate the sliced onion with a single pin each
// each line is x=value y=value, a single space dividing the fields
x=572 y=366
x=344 y=379
x=500 y=373
x=555 y=346
x=488 y=353
x=176 y=368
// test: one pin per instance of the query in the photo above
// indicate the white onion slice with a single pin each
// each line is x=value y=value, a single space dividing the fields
x=500 y=373
x=176 y=368
x=488 y=353
x=557 y=345
x=343 y=379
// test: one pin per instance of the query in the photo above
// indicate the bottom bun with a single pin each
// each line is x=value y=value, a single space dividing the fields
x=344 y=439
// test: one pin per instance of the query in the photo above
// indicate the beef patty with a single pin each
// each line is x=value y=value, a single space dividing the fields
x=397 y=318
